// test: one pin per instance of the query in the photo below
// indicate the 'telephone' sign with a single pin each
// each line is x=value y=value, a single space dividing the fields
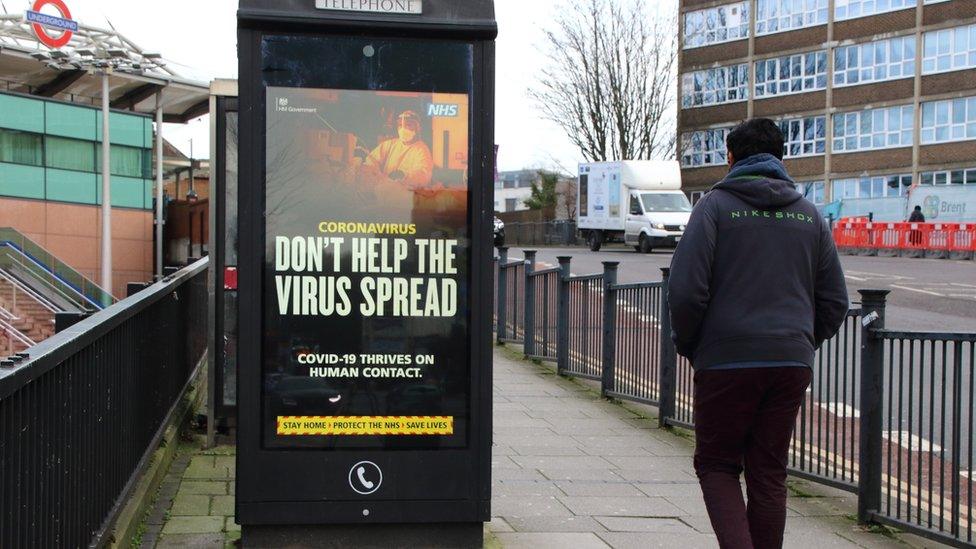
x=408 y=7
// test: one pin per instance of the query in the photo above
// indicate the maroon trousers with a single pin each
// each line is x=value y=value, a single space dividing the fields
x=744 y=420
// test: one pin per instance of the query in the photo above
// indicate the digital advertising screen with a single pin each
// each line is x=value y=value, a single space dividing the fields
x=366 y=271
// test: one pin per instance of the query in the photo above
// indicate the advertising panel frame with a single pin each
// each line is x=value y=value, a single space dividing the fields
x=267 y=478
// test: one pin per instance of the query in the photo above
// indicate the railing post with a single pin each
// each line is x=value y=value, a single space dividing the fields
x=668 y=372
x=872 y=391
x=528 y=327
x=500 y=320
x=562 y=316
x=609 y=327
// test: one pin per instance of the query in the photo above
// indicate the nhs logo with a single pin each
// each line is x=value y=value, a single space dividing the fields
x=442 y=109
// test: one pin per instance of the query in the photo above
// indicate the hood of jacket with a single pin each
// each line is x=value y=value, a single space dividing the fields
x=761 y=181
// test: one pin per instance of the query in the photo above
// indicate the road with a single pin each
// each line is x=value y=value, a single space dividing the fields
x=926 y=294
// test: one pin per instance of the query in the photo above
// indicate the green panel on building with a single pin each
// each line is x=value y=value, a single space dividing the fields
x=21 y=181
x=125 y=129
x=127 y=192
x=147 y=133
x=21 y=113
x=71 y=186
x=71 y=121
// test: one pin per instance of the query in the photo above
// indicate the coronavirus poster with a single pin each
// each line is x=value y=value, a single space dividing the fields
x=366 y=270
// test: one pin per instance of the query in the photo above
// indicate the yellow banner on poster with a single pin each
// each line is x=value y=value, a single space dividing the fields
x=365 y=425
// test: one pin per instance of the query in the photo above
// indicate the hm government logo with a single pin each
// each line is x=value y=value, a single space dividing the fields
x=281 y=105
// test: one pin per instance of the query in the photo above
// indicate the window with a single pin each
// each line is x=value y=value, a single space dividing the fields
x=635 y=206
x=791 y=74
x=19 y=147
x=879 y=186
x=949 y=120
x=873 y=129
x=949 y=50
x=70 y=154
x=127 y=161
x=782 y=15
x=812 y=191
x=511 y=204
x=875 y=61
x=696 y=196
x=949 y=177
x=849 y=9
x=715 y=86
x=704 y=148
x=716 y=25
x=804 y=136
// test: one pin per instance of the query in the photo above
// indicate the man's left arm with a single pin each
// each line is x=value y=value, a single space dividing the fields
x=691 y=274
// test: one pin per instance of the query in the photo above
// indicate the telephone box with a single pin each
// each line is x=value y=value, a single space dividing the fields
x=365 y=203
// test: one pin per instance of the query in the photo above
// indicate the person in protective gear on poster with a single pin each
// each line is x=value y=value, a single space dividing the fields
x=405 y=159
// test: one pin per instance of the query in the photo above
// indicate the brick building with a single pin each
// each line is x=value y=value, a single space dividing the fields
x=871 y=94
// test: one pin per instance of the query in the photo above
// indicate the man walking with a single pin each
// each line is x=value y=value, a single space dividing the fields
x=756 y=286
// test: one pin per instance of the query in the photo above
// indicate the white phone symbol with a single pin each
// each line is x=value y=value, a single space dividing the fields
x=361 y=473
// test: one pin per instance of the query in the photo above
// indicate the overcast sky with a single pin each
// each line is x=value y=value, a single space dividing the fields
x=198 y=38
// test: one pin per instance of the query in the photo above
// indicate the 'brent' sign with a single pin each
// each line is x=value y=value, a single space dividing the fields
x=410 y=7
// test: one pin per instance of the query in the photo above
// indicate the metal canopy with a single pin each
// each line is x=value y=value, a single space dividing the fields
x=72 y=73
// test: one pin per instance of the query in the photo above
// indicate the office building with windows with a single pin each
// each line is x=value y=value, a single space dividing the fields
x=872 y=95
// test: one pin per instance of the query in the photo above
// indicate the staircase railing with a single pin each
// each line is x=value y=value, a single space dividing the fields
x=46 y=266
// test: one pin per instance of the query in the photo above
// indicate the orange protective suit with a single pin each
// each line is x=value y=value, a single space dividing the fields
x=413 y=160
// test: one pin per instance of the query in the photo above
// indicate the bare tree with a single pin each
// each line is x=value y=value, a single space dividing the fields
x=610 y=79
x=567 y=191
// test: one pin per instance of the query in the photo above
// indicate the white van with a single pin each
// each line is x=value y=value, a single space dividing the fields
x=638 y=202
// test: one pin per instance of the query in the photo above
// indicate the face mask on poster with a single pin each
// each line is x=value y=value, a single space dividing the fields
x=406 y=135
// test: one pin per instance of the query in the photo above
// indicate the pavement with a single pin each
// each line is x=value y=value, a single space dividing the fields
x=926 y=294
x=569 y=469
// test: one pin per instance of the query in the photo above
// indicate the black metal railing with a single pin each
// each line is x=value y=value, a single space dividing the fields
x=81 y=412
x=888 y=414
x=510 y=299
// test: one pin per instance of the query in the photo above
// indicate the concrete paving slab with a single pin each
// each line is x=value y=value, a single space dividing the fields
x=528 y=506
x=554 y=524
x=193 y=525
x=525 y=488
x=616 y=489
x=621 y=506
x=189 y=505
x=629 y=540
x=645 y=524
x=203 y=487
x=191 y=541
x=550 y=540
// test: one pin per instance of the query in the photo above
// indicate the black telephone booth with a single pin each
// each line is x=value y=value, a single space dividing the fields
x=364 y=352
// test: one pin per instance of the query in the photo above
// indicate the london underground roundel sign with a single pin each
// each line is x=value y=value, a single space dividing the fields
x=43 y=23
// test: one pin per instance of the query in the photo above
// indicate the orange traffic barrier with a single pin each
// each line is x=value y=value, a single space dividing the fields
x=858 y=235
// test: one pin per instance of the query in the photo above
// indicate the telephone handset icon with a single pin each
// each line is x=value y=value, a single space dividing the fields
x=365 y=477
x=361 y=473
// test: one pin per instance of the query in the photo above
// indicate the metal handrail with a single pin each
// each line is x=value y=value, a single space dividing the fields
x=62 y=345
x=24 y=288
x=60 y=270
x=43 y=268
x=17 y=334
x=8 y=315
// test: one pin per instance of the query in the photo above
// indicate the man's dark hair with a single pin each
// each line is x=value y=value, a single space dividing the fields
x=755 y=136
x=918 y=208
